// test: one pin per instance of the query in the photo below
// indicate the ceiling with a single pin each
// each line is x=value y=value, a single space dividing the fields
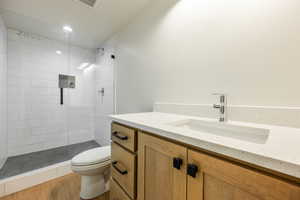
x=91 y=26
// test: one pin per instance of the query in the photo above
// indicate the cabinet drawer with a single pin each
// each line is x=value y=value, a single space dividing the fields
x=123 y=169
x=124 y=136
x=116 y=193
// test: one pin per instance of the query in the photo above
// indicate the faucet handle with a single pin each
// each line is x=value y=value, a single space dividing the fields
x=218 y=94
x=222 y=97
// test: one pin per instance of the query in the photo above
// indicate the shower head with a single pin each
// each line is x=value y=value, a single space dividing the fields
x=100 y=51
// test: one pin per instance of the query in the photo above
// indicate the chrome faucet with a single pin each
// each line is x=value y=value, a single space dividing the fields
x=221 y=107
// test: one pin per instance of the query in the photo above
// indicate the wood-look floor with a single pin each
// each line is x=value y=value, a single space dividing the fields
x=63 y=188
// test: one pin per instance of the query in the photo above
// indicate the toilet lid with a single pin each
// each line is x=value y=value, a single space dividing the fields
x=92 y=156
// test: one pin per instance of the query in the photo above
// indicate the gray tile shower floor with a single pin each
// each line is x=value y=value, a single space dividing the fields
x=28 y=162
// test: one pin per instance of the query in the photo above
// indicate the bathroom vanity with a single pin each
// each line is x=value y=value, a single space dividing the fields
x=173 y=157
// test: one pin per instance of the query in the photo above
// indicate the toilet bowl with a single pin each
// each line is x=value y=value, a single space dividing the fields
x=93 y=165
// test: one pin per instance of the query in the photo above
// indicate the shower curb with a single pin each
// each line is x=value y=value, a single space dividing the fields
x=29 y=179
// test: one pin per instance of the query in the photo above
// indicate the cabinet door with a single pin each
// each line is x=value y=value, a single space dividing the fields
x=158 y=177
x=221 y=180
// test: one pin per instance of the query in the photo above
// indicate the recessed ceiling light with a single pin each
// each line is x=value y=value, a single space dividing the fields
x=58 y=52
x=68 y=29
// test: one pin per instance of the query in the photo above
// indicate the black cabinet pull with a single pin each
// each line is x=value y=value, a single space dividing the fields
x=192 y=170
x=114 y=164
x=120 y=136
x=177 y=162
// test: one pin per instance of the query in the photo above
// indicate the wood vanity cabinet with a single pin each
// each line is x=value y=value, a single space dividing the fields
x=168 y=171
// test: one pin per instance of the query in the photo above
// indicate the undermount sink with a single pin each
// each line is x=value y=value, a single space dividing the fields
x=249 y=134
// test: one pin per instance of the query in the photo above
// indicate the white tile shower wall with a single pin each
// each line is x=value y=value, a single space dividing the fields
x=105 y=103
x=183 y=51
x=3 y=93
x=36 y=120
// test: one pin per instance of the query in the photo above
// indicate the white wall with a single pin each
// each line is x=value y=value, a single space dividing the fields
x=182 y=51
x=104 y=104
x=3 y=93
x=36 y=120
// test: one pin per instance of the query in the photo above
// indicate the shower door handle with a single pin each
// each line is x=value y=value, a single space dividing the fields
x=122 y=172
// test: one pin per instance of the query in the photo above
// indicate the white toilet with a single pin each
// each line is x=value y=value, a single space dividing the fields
x=93 y=165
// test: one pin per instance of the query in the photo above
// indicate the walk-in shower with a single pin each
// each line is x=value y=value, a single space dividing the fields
x=49 y=120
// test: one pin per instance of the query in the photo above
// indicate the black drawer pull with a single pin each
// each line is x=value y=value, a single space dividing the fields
x=177 y=162
x=120 y=136
x=192 y=170
x=114 y=164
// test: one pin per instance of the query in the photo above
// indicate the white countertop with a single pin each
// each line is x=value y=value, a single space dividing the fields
x=280 y=152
